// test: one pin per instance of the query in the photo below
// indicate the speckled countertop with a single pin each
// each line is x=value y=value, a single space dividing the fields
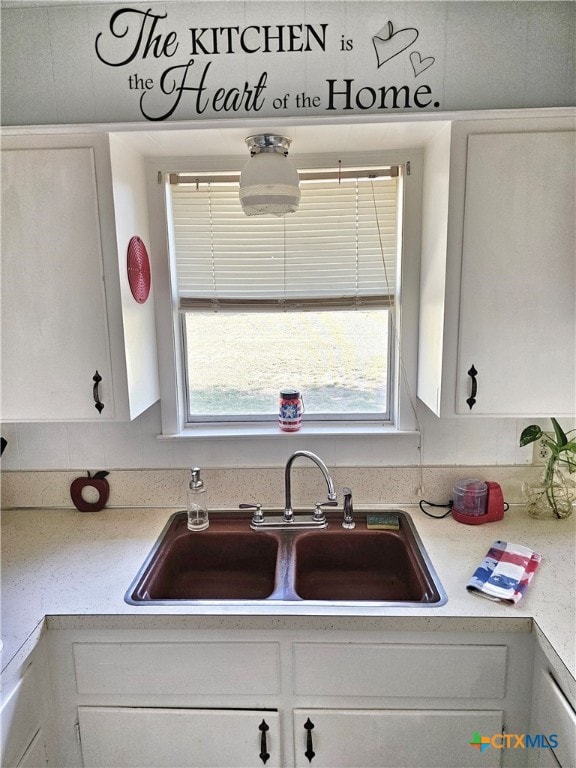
x=72 y=570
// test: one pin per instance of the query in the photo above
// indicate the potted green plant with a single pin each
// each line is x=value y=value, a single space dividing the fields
x=556 y=492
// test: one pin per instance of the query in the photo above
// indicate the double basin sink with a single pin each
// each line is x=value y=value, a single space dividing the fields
x=230 y=563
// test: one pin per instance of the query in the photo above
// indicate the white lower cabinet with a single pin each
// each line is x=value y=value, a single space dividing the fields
x=26 y=732
x=287 y=698
x=149 y=737
x=553 y=720
x=417 y=738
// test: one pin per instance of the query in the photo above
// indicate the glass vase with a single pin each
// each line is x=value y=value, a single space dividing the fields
x=551 y=498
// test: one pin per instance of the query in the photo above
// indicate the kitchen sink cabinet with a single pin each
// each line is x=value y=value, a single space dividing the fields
x=70 y=205
x=421 y=680
x=198 y=697
x=129 y=737
x=417 y=738
x=498 y=307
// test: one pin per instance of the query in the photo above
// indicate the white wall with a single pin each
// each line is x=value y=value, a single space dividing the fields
x=67 y=61
x=135 y=445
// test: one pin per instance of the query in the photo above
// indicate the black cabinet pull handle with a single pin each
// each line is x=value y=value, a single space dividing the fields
x=263 y=727
x=474 y=390
x=309 y=725
x=99 y=405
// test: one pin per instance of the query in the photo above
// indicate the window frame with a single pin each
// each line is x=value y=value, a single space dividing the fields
x=243 y=419
x=170 y=341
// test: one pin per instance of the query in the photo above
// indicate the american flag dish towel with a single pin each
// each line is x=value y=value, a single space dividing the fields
x=505 y=572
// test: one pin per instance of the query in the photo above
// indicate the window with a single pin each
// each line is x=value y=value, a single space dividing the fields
x=308 y=300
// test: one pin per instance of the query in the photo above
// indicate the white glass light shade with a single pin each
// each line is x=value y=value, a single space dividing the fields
x=269 y=185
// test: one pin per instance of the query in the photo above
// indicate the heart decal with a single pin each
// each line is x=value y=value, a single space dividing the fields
x=389 y=43
x=419 y=64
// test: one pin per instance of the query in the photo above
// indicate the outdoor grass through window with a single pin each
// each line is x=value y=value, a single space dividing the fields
x=237 y=362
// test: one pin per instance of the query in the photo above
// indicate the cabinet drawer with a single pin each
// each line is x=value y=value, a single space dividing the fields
x=177 y=668
x=401 y=671
x=554 y=715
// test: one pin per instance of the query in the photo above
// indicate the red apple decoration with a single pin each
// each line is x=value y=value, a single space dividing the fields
x=97 y=481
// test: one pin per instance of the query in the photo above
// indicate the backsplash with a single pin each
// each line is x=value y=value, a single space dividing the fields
x=229 y=487
x=41 y=460
x=135 y=445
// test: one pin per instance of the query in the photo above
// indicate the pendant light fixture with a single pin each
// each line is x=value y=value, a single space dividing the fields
x=269 y=183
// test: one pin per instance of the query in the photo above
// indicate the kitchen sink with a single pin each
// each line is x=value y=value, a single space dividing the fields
x=224 y=564
x=370 y=565
x=231 y=564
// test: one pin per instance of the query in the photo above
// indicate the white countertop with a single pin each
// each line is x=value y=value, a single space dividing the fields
x=73 y=569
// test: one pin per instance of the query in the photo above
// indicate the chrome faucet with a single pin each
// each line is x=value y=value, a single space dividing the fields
x=287 y=521
x=332 y=496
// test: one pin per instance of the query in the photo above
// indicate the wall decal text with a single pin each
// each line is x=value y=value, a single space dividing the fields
x=191 y=84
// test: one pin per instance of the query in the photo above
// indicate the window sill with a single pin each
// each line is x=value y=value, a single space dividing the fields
x=312 y=430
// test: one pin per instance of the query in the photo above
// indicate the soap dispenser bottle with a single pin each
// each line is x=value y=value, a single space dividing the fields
x=197 y=503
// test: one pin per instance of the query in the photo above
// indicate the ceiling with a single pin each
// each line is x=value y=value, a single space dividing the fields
x=316 y=136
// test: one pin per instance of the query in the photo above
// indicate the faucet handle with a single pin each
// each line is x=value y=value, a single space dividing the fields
x=258 y=516
x=348 y=521
x=319 y=516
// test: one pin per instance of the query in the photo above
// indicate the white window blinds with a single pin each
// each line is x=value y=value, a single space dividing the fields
x=338 y=250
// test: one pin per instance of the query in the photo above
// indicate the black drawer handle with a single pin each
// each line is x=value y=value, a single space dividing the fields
x=474 y=390
x=309 y=725
x=99 y=405
x=263 y=727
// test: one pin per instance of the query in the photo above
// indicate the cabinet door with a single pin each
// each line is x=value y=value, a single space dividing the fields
x=518 y=304
x=55 y=334
x=124 y=737
x=21 y=716
x=393 y=738
x=553 y=714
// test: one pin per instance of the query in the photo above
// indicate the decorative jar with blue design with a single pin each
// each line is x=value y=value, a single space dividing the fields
x=291 y=409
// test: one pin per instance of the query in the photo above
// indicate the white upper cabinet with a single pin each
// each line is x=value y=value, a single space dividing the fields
x=498 y=298
x=70 y=205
